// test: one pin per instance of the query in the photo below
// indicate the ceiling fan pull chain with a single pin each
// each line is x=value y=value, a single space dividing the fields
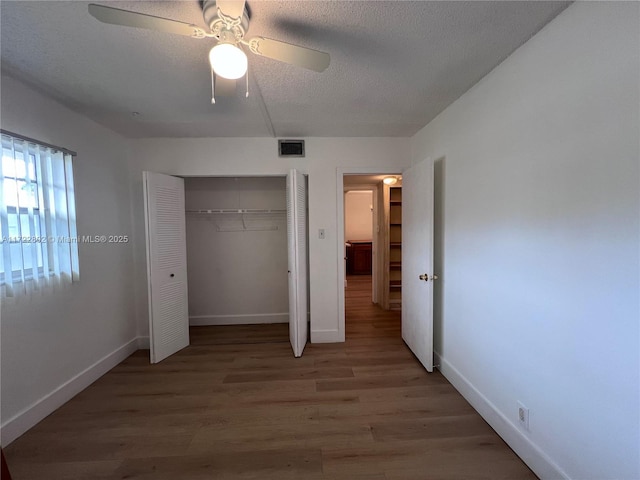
x=246 y=76
x=213 y=89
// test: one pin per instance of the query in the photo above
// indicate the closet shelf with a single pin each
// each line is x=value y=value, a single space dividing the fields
x=393 y=238
x=215 y=211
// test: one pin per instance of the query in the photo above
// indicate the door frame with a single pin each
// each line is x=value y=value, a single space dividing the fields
x=303 y=171
x=340 y=173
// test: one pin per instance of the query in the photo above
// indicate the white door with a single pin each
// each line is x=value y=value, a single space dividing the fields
x=297 y=244
x=166 y=264
x=417 y=261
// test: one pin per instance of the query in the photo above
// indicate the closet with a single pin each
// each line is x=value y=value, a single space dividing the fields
x=225 y=251
x=390 y=220
x=236 y=232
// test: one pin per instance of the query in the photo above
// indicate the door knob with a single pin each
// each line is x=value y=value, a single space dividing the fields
x=426 y=277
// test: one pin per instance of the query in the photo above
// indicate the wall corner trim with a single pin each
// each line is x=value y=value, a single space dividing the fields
x=143 y=343
x=530 y=453
x=34 y=413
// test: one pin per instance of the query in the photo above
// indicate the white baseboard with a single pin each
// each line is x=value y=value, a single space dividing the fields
x=326 y=336
x=143 y=343
x=537 y=460
x=248 y=319
x=31 y=415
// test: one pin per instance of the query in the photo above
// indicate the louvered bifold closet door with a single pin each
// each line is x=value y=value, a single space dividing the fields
x=166 y=265
x=297 y=245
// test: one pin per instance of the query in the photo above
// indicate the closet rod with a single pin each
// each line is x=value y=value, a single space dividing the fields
x=236 y=210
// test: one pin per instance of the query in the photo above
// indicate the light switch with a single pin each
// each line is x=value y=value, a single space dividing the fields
x=321 y=233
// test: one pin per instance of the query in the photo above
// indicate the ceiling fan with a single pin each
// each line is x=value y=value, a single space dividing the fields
x=228 y=23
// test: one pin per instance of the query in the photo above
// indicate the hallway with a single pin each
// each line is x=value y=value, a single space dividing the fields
x=363 y=319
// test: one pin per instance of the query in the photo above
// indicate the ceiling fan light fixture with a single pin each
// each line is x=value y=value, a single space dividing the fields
x=390 y=180
x=228 y=61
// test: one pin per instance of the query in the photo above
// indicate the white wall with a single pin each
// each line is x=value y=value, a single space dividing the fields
x=540 y=212
x=49 y=341
x=237 y=264
x=258 y=156
x=358 y=215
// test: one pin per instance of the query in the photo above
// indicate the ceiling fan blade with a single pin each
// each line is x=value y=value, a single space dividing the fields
x=288 y=53
x=115 y=16
x=231 y=8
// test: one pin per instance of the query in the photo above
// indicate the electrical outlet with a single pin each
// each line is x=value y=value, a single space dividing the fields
x=523 y=416
x=321 y=233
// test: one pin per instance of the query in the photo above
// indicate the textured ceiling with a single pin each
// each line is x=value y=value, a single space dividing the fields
x=394 y=64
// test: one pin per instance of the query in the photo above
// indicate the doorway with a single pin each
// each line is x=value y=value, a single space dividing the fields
x=372 y=247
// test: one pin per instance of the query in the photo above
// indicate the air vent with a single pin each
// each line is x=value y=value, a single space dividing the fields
x=291 y=148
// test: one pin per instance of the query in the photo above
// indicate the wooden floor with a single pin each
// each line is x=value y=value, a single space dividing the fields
x=237 y=405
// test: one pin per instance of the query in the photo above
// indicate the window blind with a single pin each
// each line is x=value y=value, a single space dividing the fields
x=37 y=217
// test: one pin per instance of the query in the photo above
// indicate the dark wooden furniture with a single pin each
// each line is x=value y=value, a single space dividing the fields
x=359 y=257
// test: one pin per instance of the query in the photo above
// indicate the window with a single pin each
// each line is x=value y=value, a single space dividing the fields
x=39 y=247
